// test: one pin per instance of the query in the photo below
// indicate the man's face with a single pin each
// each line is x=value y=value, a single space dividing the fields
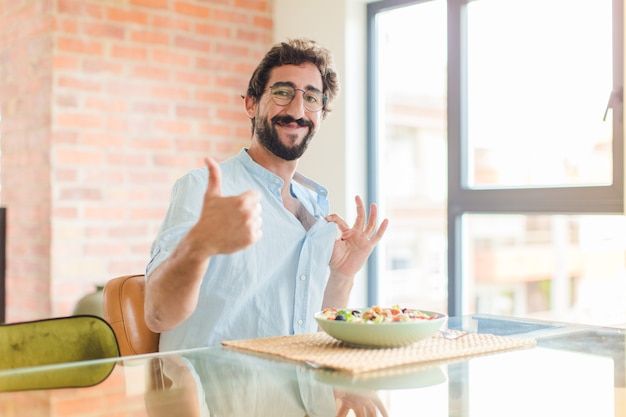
x=287 y=130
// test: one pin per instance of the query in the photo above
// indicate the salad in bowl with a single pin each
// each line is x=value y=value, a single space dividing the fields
x=379 y=326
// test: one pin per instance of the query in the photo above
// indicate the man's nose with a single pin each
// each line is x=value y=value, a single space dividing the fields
x=296 y=108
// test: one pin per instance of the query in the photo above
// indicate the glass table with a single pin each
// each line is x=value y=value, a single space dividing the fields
x=574 y=370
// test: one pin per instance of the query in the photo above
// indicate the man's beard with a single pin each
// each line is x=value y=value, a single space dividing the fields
x=268 y=137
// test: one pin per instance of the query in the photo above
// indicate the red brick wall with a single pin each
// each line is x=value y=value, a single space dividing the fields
x=104 y=104
x=26 y=51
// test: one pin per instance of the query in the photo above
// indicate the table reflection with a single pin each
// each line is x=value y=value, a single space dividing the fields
x=241 y=385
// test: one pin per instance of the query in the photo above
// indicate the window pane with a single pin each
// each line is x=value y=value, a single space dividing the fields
x=413 y=153
x=563 y=267
x=539 y=80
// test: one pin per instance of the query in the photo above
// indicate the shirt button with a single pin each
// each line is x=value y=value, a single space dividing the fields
x=300 y=322
x=302 y=277
x=276 y=180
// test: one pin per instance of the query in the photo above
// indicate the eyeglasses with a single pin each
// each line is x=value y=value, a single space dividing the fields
x=284 y=94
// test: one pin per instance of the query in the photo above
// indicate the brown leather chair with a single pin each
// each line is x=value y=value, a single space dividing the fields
x=123 y=301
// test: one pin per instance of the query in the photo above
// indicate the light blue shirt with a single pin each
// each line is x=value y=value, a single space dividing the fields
x=272 y=287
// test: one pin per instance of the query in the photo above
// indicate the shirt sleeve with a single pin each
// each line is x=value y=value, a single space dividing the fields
x=184 y=210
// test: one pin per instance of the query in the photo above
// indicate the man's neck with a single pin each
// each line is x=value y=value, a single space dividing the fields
x=285 y=170
x=282 y=168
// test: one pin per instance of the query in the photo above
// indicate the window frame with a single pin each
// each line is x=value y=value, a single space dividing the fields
x=461 y=199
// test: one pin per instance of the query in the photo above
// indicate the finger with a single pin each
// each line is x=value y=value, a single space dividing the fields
x=339 y=221
x=252 y=201
x=381 y=407
x=215 y=177
x=372 y=221
x=370 y=410
x=252 y=204
x=343 y=411
x=359 y=223
x=380 y=232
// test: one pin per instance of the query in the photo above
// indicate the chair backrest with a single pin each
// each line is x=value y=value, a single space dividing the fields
x=123 y=301
x=59 y=340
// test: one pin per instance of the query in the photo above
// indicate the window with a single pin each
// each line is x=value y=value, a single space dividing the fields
x=496 y=150
x=408 y=147
x=536 y=95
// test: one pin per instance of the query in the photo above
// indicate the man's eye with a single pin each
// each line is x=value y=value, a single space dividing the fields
x=282 y=93
x=311 y=98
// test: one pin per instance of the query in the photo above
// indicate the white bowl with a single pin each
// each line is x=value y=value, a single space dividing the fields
x=382 y=335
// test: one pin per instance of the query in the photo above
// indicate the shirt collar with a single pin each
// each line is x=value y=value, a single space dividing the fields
x=272 y=180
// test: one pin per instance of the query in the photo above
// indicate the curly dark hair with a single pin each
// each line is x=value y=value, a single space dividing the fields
x=296 y=52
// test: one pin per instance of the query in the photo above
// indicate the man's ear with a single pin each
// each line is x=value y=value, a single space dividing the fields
x=251 y=105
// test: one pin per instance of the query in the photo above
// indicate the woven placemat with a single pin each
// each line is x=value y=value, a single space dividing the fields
x=325 y=351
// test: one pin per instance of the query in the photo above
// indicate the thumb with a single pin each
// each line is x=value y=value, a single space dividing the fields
x=215 y=177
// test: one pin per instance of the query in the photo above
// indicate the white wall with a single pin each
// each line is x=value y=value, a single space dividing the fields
x=337 y=156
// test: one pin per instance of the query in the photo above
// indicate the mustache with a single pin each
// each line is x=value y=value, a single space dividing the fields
x=285 y=120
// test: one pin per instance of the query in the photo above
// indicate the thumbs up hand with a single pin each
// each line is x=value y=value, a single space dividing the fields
x=226 y=224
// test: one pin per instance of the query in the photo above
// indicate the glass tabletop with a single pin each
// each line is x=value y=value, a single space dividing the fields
x=574 y=370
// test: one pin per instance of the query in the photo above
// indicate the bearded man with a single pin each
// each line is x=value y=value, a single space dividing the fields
x=248 y=248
